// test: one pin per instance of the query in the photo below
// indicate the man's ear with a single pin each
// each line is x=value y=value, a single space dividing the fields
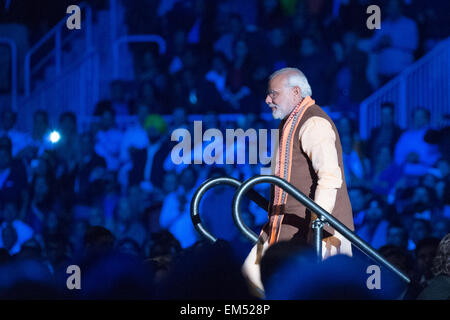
x=297 y=91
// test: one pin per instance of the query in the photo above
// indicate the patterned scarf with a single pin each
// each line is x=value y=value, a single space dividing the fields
x=284 y=164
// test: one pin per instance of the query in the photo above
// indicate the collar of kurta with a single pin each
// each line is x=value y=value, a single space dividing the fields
x=284 y=164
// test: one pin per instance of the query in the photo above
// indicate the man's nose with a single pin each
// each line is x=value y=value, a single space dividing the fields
x=268 y=99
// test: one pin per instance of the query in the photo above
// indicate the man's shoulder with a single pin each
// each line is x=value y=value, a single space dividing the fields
x=315 y=114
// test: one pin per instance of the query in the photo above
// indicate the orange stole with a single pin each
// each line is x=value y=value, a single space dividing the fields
x=284 y=165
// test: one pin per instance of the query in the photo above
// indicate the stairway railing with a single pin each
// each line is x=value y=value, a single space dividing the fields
x=208 y=184
x=323 y=218
x=425 y=83
x=56 y=34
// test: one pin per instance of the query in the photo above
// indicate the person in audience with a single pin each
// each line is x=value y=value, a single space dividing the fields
x=14 y=232
x=19 y=140
x=148 y=161
x=375 y=226
x=424 y=253
x=359 y=198
x=397 y=235
x=420 y=229
x=412 y=141
x=127 y=223
x=108 y=138
x=385 y=172
x=91 y=167
x=395 y=43
x=440 y=228
x=438 y=288
x=117 y=92
x=39 y=138
x=175 y=212
x=13 y=176
x=387 y=133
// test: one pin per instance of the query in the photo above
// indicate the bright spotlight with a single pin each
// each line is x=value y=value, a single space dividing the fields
x=54 y=136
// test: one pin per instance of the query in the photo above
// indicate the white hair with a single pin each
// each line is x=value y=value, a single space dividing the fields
x=296 y=78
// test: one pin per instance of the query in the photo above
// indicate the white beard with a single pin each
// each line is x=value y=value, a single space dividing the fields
x=277 y=113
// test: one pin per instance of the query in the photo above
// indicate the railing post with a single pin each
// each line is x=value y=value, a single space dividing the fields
x=402 y=105
x=317 y=225
x=27 y=74
x=58 y=51
x=363 y=127
x=88 y=29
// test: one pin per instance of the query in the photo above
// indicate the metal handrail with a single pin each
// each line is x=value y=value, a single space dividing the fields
x=324 y=217
x=398 y=90
x=208 y=184
x=9 y=42
x=57 y=51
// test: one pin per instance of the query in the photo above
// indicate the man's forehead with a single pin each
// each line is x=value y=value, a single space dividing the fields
x=277 y=81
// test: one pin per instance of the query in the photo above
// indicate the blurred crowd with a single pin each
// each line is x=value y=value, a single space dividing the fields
x=71 y=195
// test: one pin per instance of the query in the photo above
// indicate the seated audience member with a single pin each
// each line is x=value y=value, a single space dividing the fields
x=374 y=228
x=109 y=137
x=398 y=257
x=422 y=204
x=175 y=213
x=129 y=246
x=420 y=229
x=387 y=133
x=13 y=176
x=397 y=236
x=89 y=173
x=19 y=140
x=277 y=256
x=161 y=249
x=440 y=228
x=14 y=232
x=318 y=280
x=440 y=138
x=439 y=287
x=136 y=135
x=236 y=29
x=207 y=271
x=412 y=141
x=359 y=198
x=39 y=139
x=147 y=162
x=424 y=253
x=385 y=172
x=40 y=202
x=395 y=43
x=127 y=224
x=118 y=98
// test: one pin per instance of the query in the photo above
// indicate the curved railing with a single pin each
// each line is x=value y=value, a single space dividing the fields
x=324 y=217
x=210 y=183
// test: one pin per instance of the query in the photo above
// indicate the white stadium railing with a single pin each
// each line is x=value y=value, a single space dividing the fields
x=426 y=83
